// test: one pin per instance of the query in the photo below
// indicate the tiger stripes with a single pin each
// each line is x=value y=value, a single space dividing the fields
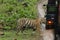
x=22 y=23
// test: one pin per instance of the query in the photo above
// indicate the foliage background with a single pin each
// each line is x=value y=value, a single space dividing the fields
x=12 y=10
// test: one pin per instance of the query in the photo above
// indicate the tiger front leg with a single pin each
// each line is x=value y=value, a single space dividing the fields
x=34 y=28
x=17 y=31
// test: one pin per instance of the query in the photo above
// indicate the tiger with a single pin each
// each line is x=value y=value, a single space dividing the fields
x=23 y=23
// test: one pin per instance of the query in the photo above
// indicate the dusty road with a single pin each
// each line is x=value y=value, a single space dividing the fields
x=41 y=10
x=47 y=34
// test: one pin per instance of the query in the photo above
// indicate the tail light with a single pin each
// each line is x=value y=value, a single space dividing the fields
x=49 y=22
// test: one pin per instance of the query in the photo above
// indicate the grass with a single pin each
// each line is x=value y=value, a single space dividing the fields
x=10 y=35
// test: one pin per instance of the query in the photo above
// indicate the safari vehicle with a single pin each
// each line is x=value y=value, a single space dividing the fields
x=52 y=14
x=53 y=17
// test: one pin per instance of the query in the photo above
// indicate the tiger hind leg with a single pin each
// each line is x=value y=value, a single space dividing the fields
x=22 y=29
x=17 y=31
x=19 y=28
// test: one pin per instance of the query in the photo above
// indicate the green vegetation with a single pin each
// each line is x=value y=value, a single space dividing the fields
x=12 y=10
x=10 y=35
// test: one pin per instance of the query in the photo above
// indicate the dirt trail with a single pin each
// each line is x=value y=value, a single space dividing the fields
x=41 y=10
x=47 y=34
